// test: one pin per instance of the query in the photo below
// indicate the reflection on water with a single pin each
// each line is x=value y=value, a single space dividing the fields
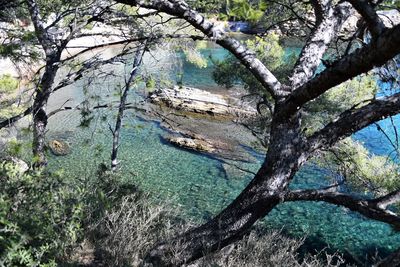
x=199 y=185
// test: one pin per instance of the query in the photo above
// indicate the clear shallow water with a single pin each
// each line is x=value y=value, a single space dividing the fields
x=199 y=185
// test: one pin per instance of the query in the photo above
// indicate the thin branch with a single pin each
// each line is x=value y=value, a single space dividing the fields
x=353 y=120
x=372 y=208
x=10 y=121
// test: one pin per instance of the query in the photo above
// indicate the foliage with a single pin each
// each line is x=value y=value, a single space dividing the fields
x=10 y=110
x=8 y=84
x=8 y=103
x=391 y=4
x=364 y=171
x=195 y=57
x=150 y=83
x=208 y=6
x=134 y=224
x=266 y=248
x=250 y=11
x=14 y=148
x=230 y=71
x=44 y=216
x=351 y=94
x=11 y=10
x=40 y=217
x=50 y=7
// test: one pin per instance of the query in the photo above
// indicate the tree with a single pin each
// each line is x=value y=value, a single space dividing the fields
x=289 y=147
x=47 y=32
x=55 y=26
x=122 y=105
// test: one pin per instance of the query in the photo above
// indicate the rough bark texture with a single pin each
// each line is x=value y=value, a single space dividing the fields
x=329 y=21
x=288 y=148
x=369 y=208
x=391 y=261
x=375 y=54
x=353 y=120
x=39 y=115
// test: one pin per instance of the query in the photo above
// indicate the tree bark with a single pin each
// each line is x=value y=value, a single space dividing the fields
x=392 y=260
x=122 y=104
x=44 y=88
x=42 y=95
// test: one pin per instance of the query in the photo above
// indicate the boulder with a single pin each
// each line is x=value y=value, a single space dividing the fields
x=200 y=101
x=59 y=147
x=192 y=143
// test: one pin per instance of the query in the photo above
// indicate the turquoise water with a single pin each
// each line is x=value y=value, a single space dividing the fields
x=199 y=185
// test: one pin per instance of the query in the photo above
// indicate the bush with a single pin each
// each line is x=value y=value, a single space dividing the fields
x=43 y=218
x=266 y=248
x=40 y=217
x=127 y=232
x=8 y=84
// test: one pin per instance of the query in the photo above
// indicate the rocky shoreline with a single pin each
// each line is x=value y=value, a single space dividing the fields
x=205 y=122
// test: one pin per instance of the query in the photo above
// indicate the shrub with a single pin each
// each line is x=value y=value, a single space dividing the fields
x=266 y=248
x=40 y=217
x=8 y=84
x=132 y=227
x=128 y=231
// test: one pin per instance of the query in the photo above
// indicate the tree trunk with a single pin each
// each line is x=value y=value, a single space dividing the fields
x=257 y=200
x=43 y=92
x=38 y=142
x=116 y=132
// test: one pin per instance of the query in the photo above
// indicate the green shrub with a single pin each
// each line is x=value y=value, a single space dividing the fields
x=8 y=84
x=40 y=217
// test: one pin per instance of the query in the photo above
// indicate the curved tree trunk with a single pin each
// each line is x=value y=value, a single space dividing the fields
x=258 y=199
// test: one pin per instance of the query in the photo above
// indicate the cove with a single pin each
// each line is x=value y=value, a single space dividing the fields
x=198 y=185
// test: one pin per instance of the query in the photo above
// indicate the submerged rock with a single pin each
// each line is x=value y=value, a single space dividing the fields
x=200 y=101
x=59 y=147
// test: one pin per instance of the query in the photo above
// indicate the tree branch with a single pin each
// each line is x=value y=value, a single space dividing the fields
x=329 y=21
x=375 y=54
x=12 y=120
x=374 y=23
x=391 y=260
x=369 y=208
x=40 y=30
x=388 y=199
x=353 y=120
x=182 y=10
